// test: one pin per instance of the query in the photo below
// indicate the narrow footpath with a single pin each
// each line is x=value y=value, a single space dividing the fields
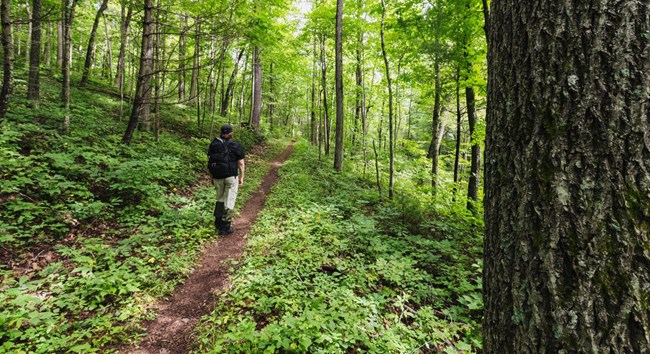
x=171 y=331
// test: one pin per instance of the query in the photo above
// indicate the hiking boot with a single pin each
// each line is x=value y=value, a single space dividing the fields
x=226 y=229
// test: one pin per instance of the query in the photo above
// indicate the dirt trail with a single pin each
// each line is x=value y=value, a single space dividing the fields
x=171 y=331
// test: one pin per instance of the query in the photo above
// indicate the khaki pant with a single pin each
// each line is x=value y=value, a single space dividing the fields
x=224 y=210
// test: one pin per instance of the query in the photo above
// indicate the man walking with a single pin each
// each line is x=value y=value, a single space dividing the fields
x=226 y=165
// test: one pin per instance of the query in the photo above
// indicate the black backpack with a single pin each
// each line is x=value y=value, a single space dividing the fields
x=218 y=158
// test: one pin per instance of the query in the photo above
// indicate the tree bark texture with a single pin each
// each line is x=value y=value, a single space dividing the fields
x=338 y=63
x=567 y=204
x=8 y=53
x=474 y=172
x=143 y=86
x=124 y=39
x=256 y=110
x=91 y=44
x=35 y=53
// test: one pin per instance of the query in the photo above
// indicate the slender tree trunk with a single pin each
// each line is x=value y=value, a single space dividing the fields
x=48 y=46
x=338 y=147
x=567 y=203
x=314 y=74
x=68 y=17
x=109 y=50
x=256 y=110
x=59 y=44
x=390 y=103
x=231 y=85
x=143 y=86
x=326 y=129
x=357 y=97
x=472 y=188
x=90 y=49
x=458 y=131
x=181 y=59
x=124 y=39
x=30 y=26
x=242 y=107
x=35 y=55
x=271 y=97
x=194 y=84
x=8 y=56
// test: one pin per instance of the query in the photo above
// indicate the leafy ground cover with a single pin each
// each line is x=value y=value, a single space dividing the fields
x=332 y=267
x=92 y=231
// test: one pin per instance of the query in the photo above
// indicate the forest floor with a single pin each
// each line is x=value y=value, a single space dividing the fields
x=177 y=316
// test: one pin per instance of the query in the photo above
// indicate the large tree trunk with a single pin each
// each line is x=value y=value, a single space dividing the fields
x=35 y=53
x=124 y=39
x=390 y=103
x=256 y=110
x=8 y=56
x=143 y=86
x=338 y=63
x=567 y=203
x=68 y=17
x=472 y=188
x=91 y=44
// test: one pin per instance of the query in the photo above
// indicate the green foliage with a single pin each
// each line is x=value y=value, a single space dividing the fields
x=91 y=230
x=332 y=268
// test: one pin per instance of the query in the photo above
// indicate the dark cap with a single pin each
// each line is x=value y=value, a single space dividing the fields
x=226 y=129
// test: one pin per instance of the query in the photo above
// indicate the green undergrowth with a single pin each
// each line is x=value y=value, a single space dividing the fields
x=331 y=267
x=92 y=231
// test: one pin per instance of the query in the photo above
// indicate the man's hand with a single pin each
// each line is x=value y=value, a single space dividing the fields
x=241 y=180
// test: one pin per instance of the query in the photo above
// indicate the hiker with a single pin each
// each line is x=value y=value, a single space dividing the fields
x=226 y=165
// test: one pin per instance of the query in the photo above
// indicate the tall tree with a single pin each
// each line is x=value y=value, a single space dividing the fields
x=256 y=104
x=7 y=49
x=472 y=188
x=143 y=85
x=390 y=102
x=181 y=59
x=194 y=84
x=227 y=97
x=125 y=21
x=567 y=208
x=338 y=76
x=67 y=18
x=91 y=44
x=35 y=53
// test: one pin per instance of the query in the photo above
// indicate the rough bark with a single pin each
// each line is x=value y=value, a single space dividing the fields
x=143 y=86
x=390 y=103
x=124 y=38
x=8 y=55
x=567 y=203
x=474 y=172
x=90 y=49
x=256 y=106
x=35 y=53
x=338 y=76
